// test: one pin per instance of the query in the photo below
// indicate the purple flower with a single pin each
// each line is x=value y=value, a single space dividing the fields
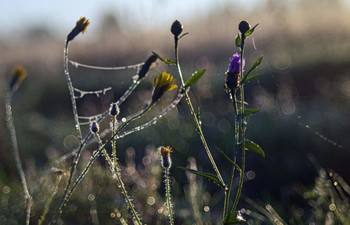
x=235 y=64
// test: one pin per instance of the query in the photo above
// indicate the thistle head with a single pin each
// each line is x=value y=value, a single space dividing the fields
x=162 y=83
x=18 y=75
x=176 y=28
x=80 y=27
x=165 y=159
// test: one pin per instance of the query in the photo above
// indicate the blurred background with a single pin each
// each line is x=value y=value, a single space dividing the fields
x=303 y=94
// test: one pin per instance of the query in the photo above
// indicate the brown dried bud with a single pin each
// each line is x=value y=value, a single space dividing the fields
x=176 y=28
x=243 y=27
x=145 y=68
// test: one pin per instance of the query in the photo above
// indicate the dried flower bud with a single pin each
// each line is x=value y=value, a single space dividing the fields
x=176 y=28
x=162 y=83
x=145 y=68
x=114 y=109
x=243 y=27
x=166 y=159
x=80 y=27
x=18 y=74
x=94 y=127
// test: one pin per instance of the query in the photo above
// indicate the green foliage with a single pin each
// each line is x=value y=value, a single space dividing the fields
x=256 y=64
x=234 y=218
x=251 y=146
x=194 y=78
x=249 y=32
x=247 y=79
x=247 y=112
x=228 y=158
x=209 y=176
x=166 y=61
x=238 y=41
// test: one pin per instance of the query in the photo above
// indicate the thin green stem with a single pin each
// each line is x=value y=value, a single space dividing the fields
x=71 y=92
x=97 y=153
x=168 y=196
x=242 y=129
x=116 y=171
x=114 y=149
x=197 y=124
x=49 y=200
x=15 y=149
x=235 y=143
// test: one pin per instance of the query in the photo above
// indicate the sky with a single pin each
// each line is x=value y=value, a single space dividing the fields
x=59 y=15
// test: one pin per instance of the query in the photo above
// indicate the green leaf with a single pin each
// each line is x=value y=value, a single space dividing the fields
x=233 y=218
x=209 y=176
x=256 y=64
x=252 y=146
x=248 y=112
x=228 y=158
x=238 y=40
x=183 y=35
x=194 y=78
x=167 y=61
x=249 y=32
x=247 y=79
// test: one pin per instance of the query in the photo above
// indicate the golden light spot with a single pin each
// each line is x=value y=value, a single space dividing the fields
x=112 y=215
x=206 y=208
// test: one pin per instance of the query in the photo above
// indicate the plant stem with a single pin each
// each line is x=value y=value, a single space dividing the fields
x=49 y=200
x=168 y=196
x=243 y=128
x=98 y=152
x=197 y=124
x=116 y=171
x=15 y=149
x=235 y=143
x=71 y=92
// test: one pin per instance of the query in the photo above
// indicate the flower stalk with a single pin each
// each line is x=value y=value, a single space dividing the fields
x=188 y=100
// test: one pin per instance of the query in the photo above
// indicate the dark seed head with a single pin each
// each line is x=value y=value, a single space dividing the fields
x=114 y=109
x=176 y=28
x=243 y=27
x=94 y=127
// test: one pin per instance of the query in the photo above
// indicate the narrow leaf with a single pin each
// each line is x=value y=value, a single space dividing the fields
x=183 y=35
x=238 y=41
x=252 y=146
x=249 y=32
x=228 y=158
x=194 y=78
x=167 y=61
x=256 y=64
x=247 y=79
x=248 y=112
x=209 y=176
x=234 y=218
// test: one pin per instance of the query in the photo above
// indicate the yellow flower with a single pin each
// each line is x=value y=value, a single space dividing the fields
x=82 y=24
x=80 y=27
x=162 y=83
x=165 y=153
x=18 y=74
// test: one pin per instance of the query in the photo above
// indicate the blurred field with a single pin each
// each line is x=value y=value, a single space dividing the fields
x=303 y=94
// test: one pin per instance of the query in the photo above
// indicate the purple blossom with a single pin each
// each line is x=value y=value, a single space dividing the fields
x=234 y=66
